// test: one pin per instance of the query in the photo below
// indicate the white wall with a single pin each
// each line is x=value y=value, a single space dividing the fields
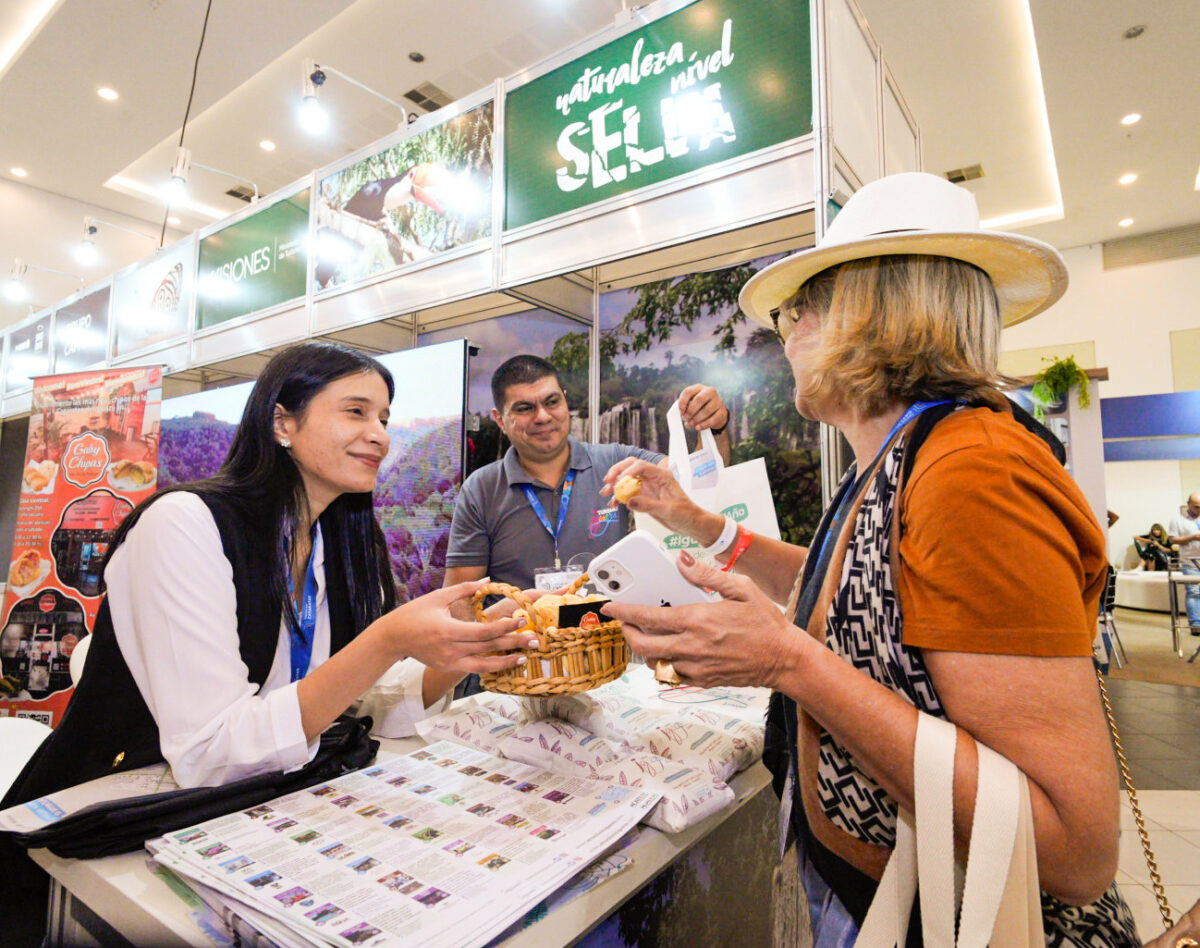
x=43 y=229
x=1130 y=314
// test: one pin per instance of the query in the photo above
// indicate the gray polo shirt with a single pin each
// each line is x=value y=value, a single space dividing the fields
x=495 y=526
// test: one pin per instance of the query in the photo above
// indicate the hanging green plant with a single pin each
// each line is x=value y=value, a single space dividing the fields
x=1053 y=382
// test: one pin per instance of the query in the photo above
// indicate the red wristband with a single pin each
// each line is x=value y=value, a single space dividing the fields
x=744 y=539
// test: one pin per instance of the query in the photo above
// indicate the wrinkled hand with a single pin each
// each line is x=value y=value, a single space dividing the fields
x=425 y=630
x=701 y=407
x=660 y=495
x=741 y=641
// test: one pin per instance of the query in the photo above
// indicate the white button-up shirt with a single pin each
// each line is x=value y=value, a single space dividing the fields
x=174 y=612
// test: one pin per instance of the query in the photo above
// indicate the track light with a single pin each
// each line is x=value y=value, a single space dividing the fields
x=17 y=291
x=175 y=188
x=86 y=253
x=177 y=184
x=313 y=116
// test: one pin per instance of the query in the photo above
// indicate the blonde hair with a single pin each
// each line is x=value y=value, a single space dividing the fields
x=902 y=328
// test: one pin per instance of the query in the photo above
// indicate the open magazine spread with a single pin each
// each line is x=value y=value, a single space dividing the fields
x=446 y=846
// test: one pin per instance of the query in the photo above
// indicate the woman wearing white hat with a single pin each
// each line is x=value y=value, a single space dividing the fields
x=960 y=579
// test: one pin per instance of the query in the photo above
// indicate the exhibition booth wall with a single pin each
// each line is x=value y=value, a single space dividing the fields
x=1141 y=323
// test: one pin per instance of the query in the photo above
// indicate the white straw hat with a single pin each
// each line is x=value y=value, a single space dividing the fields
x=918 y=213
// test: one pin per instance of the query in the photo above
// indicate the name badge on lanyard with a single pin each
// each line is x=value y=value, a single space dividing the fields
x=540 y=511
x=301 y=634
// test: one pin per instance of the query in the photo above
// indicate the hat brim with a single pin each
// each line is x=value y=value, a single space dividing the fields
x=1029 y=275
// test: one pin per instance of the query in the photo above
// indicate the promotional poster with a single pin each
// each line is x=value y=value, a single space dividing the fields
x=92 y=456
x=424 y=195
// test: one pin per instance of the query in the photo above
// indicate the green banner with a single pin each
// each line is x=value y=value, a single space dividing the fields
x=717 y=79
x=258 y=262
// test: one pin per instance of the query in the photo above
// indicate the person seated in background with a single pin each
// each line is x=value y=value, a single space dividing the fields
x=1155 y=548
x=244 y=613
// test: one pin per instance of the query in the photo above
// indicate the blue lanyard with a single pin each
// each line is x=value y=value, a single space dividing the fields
x=847 y=498
x=301 y=637
x=562 y=510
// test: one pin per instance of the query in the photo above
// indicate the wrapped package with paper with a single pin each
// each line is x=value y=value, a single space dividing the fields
x=688 y=795
x=470 y=725
x=559 y=746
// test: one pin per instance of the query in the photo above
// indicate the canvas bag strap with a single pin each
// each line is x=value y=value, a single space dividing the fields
x=1001 y=879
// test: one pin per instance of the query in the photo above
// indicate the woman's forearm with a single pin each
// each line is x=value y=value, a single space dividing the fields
x=1072 y=780
x=773 y=565
x=329 y=690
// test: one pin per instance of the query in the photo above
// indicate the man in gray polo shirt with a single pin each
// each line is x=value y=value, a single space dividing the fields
x=510 y=520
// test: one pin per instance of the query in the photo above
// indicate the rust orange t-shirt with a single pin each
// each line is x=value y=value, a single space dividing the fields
x=999 y=551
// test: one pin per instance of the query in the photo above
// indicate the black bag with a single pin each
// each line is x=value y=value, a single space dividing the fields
x=121 y=826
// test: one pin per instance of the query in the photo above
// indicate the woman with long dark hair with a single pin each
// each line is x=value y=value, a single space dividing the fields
x=245 y=612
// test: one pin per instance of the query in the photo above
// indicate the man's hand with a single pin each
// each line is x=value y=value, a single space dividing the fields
x=701 y=407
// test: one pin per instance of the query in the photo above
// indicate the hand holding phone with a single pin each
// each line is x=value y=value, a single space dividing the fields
x=640 y=570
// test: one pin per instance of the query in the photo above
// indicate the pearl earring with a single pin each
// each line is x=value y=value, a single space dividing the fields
x=284 y=443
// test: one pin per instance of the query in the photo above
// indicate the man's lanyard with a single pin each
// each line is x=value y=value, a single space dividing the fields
x=562 y=510
x=301 y=636
x=847 y=500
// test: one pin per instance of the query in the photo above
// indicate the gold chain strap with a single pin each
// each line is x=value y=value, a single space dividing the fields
x=1151 y=863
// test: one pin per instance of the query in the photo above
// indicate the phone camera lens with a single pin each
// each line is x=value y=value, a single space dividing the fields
x=602 y=573
x=615 y=585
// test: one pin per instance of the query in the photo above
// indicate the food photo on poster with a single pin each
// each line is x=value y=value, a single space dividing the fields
x=90 y=457
x=429 y=193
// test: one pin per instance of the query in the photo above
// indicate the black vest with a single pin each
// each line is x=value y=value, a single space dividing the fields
x=107 y=727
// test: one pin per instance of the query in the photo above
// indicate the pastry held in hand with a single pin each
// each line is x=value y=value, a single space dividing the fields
x=626 y=488
x=664 y=673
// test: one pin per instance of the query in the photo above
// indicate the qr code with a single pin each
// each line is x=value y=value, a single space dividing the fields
x=45 y=717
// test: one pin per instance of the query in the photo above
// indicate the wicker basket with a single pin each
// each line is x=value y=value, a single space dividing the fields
x=567 y=661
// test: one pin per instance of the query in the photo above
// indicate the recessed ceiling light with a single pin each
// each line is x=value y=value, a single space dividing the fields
x=1132 y=118
x=173 y=221
x=108 y=94
x=267 y=145
x=1125 y=222
x=1128 y=178
x=18 y=172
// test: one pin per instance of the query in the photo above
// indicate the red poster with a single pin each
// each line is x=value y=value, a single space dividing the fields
x=92 y=457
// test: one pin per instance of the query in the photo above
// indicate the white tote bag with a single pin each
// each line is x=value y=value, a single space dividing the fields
x=740 y=491
x=1001 y=904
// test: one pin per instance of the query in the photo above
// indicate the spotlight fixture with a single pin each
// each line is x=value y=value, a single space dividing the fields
x=16 y=290
x=177 y=183
x=1132 y=118
x=1125 y=222
x=179 y=175
x=1127 y=178
x=86 y=253
x=313 y=116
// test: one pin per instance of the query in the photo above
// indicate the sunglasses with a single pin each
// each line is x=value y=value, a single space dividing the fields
x=783 y=322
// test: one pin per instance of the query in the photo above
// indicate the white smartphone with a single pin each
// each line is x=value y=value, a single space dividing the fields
x=640 y=570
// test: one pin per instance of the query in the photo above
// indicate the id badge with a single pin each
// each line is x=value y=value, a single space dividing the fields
x=552 y=578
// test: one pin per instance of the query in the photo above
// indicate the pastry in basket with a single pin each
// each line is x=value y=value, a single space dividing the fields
x=135 y=472
x=626 y=488
x=39 y=474
x=24 y=569
x=547 y=607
